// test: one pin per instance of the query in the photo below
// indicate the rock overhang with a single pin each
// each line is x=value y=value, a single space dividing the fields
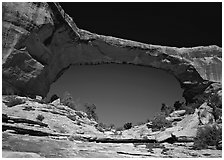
x=51 y=42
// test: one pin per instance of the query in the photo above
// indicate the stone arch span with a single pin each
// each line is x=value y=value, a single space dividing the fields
x=39 y=49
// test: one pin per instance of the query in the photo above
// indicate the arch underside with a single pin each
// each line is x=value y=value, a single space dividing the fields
x=36 y=57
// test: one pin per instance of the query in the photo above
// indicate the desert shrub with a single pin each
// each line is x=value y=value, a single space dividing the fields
x=159 y=122
x=102 y=125
x=190 y=108
x=111 y=126
x=13 y=101
x=217 y=113
x=40 y=117
x=90 y=110
x=208 y=136
x=127 y=125
x=167 y=109
x=177 y=105
x=214 y=101
x=53 y=98
x=67 y=100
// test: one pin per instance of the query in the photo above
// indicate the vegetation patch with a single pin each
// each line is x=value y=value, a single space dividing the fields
x=90 y=110
x=127 y=125
x=160 y=122
x=208 y=135
x=13 y=101
x=40 y=117
x=67 y=100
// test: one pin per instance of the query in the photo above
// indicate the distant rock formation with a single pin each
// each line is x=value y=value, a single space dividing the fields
x=40 y=42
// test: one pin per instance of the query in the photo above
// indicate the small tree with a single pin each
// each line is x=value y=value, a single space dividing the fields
x=177 y=105
x=127 y=125
x=67 y=100
x=163 y=108
x=215 y=101
x=90 y=110
x=167 y=109
x=208 y=136
x=190 y=108
x=160 y=122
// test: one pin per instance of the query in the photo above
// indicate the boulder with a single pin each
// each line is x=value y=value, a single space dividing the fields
x=205 y=114
x=109 y=133
x=183 y=131
x=188 y=126
x=39 y=98
x=177 y=113
x=163 y=136
x=56 y=102
x=172 y=119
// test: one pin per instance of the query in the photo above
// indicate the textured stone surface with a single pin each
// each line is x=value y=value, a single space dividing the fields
x=177 y=113
x=57 y=120
x=206 y=114
x=11 y=154
x=40 y=42
x=183 y=131
x=63 y=133
x=188 y=126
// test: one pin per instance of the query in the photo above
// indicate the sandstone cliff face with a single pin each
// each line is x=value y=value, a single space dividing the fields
x=40 y=41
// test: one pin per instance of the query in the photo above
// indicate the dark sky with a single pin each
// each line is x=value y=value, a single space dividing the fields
x=125 y=93
x=171 y=24
x=121 y=93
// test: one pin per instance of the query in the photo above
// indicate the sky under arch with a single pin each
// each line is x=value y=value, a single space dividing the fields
x=121 y=93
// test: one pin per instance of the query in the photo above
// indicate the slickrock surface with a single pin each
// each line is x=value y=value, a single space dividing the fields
x=40 y=41
x=65 y=132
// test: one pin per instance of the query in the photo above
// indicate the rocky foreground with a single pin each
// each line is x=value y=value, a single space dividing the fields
x=64 y=132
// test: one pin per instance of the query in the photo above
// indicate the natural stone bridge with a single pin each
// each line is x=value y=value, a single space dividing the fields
x=40 y=41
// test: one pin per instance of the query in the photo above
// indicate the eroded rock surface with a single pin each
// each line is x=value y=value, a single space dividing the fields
x=40 y=41
x=68 y=133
